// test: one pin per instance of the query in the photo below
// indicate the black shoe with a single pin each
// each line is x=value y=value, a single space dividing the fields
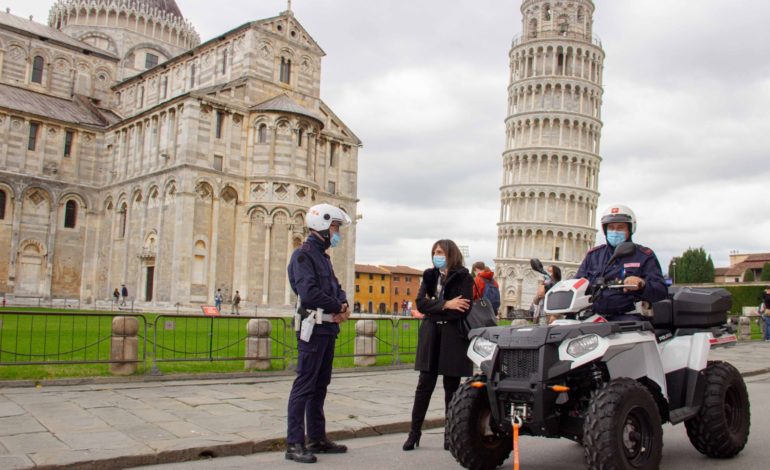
x=446 y=442
x=299 y=453
x=325 y=446
x=412 y=441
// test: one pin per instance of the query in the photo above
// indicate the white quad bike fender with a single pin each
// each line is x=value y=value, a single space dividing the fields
x=631 y=354
x=691 y=351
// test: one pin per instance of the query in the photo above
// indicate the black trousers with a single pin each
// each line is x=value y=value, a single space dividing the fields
x=425 y=386
x=308 y=393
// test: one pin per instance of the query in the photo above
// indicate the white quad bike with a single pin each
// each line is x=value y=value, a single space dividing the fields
x=607 y=385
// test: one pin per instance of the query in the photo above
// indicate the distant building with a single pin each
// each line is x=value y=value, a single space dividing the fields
x=404 y=284
x=740 y=264
x=372 y=289
x=383 y=289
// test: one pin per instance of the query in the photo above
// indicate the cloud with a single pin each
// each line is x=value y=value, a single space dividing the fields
x=424 y=85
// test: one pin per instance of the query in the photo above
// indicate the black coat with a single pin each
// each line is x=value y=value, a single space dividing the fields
x=442 y=347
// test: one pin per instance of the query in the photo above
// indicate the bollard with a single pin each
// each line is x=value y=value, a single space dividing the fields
x=124 y=346
x=366 y=343
x=744 y=328
x=258 y=344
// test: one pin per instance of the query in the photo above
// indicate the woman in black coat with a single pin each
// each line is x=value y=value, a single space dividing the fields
x=445 y=296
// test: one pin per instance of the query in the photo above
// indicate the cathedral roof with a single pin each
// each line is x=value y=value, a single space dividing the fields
x=60 y=109
x=34 y=29
x=283 y=104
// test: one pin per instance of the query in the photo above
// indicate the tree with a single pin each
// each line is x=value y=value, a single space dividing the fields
x=748 y=276
x=765 y=275
x=694 y=266
x=672 y=267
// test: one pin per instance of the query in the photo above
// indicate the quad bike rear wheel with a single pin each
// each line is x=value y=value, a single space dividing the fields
x=622 y=428
x=721 y=427
x=471 y=439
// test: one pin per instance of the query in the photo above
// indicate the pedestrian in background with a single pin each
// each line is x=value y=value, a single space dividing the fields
x=218 y=299
x=554 y=277
x=123 y=294
x=444 y=297
x=237 y=303
x=322 y=306
x=485 y=285
x=116 y=296
x=766 y=304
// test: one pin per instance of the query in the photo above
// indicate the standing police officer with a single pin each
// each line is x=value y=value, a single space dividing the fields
x=640 y=272
x=320 y=296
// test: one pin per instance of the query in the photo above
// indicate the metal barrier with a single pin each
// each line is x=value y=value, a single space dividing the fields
x=47 y=338
x=33 y=338
x=195 y=338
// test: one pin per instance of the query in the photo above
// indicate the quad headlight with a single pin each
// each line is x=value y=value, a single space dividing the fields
x=483 y=347
x=583 y=345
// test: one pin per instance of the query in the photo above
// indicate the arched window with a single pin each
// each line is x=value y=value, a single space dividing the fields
x=37 y=69
x=123 y=214
x=3 y=201
x=299 y=137
x=262 y=138
x=547 y=12
x=70 y=214
x=285 y=70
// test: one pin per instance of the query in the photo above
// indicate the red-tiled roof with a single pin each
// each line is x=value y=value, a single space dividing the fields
x=370 y=269
x=403 y=270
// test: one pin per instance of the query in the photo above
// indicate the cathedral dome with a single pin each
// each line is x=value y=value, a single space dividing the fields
x=163 y=6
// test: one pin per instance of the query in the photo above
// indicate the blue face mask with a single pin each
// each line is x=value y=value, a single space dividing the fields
x=336 y=240
x=439 y=262
x=615 y=238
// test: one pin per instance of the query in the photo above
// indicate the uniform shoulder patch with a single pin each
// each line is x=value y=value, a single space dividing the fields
x=645 y=250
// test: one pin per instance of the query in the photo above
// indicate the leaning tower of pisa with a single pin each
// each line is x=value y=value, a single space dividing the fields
x=551 y=159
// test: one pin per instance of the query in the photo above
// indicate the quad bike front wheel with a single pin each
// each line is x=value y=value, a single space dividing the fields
x=721 y=427
x=622 y=428
x=471 y=439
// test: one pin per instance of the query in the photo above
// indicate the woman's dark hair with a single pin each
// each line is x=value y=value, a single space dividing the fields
x=480 y=266
x=556 y=273
x=454 y=259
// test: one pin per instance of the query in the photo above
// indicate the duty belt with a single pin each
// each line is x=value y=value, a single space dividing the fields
x=325 y=317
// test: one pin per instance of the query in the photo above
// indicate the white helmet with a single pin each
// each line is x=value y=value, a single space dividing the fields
x=321 y=216
x=619 y=213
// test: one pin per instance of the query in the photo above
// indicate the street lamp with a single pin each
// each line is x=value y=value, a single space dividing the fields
x=673 y=274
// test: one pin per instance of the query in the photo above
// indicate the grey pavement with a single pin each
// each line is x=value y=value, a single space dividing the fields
x=134 y=423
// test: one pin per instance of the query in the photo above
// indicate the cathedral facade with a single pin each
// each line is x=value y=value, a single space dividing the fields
x=551 y=162
x=132 y=153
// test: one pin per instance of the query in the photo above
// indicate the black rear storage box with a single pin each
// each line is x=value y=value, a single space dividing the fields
x=700 y=307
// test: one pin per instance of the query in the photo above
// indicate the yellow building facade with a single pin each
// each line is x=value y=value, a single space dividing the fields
x=373 y=286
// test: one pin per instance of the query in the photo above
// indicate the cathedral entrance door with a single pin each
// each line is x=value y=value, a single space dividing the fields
x=150 y=281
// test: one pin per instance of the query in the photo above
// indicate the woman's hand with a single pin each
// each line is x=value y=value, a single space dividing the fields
x=458 y=303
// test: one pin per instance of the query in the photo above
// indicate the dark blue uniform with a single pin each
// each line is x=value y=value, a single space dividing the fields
x=312 y=278
x=615 y=302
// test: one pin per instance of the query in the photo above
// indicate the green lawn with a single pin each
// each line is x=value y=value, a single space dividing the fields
x=184 y=344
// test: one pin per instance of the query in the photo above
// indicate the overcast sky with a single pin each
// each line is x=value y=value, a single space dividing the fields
x=423 y=84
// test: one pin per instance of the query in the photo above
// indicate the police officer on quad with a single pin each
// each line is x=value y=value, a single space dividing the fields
x=640 y=272
x=320 y=295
